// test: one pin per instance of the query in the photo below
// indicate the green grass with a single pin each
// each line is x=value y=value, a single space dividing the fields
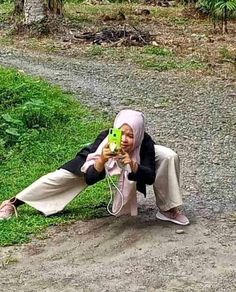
x=227 y=55
x=163 y=64
x=41 y=128
x=6 y=6
x=6 y=9
x=94 y=50
x=147 y=57
x=158 y=51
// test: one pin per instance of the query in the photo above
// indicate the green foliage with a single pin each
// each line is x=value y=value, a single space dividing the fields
x=41 y=128
x=124 y=1
x=171 y=64
x=206 y=6
x=163 y=59
x=37 y=114
x=27 y=105
x=3 y=150
x=158 y=51
x=229 y=5
x=180 y=20
x=95 y=50
x=222 y=9
x=74 y=1
x=6 y=9
x=228 y=55
x=6 y=1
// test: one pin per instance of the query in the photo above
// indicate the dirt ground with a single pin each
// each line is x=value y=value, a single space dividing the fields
x=194 y=117
x=126 y=254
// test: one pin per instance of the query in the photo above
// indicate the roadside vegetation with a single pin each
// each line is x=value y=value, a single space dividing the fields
x=180 y=37
x=40 y=129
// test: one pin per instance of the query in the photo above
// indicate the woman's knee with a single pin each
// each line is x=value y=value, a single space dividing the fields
x=164 y=153
x=172 y=155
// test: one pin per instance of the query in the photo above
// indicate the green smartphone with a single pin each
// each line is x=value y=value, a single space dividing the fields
x=114 y=139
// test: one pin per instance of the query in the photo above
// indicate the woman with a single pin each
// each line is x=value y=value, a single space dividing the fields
x=139 y=162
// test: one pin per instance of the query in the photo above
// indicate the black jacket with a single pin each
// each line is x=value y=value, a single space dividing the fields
x=144 y=175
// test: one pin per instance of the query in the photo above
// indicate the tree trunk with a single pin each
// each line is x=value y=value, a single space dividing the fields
x=226 y=16
x=34 y=11
x=214 y=20
x=55 y=7
x=19 y=7
x=224 y=20
x=40 y=16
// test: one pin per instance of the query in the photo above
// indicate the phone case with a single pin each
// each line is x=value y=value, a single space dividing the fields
x=114 y=139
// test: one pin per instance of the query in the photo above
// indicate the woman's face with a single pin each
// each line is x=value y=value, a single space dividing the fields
x=127 y=140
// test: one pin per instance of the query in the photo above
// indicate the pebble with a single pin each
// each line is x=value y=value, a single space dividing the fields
x=180 y=231
x=216 y=209
x=158 y=106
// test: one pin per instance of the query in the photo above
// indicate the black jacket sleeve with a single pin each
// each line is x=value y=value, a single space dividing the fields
x=75 y=164
x=146 y=169
x=92 y=175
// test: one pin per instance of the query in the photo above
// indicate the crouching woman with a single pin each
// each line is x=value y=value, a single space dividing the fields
x=138 y=163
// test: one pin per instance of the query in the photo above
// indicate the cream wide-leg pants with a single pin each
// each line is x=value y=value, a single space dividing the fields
x=53 y=191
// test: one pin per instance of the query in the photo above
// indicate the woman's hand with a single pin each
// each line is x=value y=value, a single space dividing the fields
x=125 y=159
x=122 y=156
x=104 y=157
x=107 y=153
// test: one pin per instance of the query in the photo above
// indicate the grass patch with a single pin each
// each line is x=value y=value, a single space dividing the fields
x=6 y=9
x=6 y=6
x=227 y=55
x=148 y=57
x=40 y=129
x=162 y=12
x=158 y=51
x=164 y=64
x=90 y=15
x=6 y=40
x=179 y=21
x=95 y=50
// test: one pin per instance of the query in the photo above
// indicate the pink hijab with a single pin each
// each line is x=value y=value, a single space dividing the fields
x=136 y=121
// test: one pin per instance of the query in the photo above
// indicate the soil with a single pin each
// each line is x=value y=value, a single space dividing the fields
x=195 y=116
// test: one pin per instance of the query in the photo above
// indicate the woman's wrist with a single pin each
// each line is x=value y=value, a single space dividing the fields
x=134 y=166
x=99 y=164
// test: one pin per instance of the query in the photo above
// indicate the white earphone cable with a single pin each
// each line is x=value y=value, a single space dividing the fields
x=110 y=184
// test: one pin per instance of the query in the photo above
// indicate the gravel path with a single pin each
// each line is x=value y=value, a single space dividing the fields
x=196 y=118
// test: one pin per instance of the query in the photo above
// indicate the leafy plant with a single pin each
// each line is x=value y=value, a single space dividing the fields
x=11 y=120
x=225 y=8
x=221 y=9
x=10 y=129
x=2 y=150
x=36 y=114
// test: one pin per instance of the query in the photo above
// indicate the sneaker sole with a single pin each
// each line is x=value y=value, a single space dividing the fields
x=164 y=218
